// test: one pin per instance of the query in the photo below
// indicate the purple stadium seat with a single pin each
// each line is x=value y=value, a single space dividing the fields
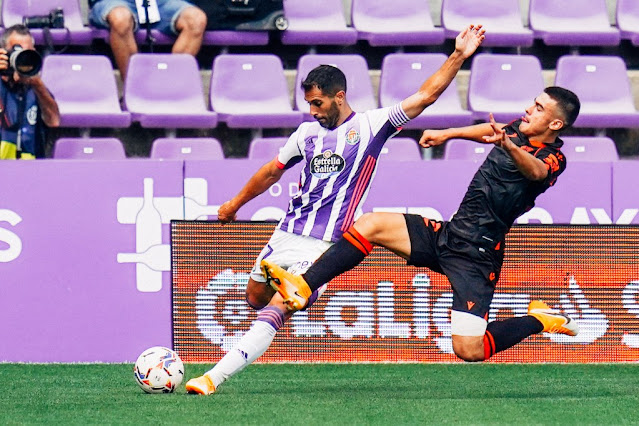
x=84 y=87
x=75 y=32
x=250 y=91
x=187 y=149
x=165 y=91
x=235 y=38
x=572 y=23
x=585 y=148
x=501 y=19
x=403 y=73
x=628 y=20
x=140 y=36
x=158 y=37
x=462 y=149
x=265 y=148
x=315 y=22
x=211 y=38
x=395 y=23
x=359 y=89
x=504 y=85
x=401 y=149
x=89 y=149
x=601 y=82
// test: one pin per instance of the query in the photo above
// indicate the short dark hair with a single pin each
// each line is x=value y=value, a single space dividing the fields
x=568 y=103
x=327 y=78
x=18 y=29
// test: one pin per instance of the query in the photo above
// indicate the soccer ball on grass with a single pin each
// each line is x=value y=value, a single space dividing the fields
x=158 y=370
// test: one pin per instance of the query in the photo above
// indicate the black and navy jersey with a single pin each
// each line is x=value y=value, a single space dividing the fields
x=499 y=193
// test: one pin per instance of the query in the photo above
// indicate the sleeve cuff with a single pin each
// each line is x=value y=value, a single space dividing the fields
x=397 y=116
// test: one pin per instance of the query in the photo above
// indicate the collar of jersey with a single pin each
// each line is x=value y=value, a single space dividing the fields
x=557 y=143
x=345 y=121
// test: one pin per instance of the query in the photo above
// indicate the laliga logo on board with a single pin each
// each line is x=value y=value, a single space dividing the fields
x=375 y=317
x=233 y=310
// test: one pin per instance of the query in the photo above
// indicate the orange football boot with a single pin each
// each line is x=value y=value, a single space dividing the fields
x=552 y=320
x=202 y=385
x=293 y=288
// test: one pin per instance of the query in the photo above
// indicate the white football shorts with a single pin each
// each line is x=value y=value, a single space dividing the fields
x=295 y=253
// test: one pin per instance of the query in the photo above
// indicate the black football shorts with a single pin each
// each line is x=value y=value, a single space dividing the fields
x=472 y=270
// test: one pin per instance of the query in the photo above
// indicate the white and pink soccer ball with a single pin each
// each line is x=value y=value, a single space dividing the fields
x=158 y=370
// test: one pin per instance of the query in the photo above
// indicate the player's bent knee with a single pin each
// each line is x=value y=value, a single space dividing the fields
x=369 y=224
x=258 y=294
x=382 y=228
x=467 y=324
x=468 y=353
x=255 y=302
x=468 y=335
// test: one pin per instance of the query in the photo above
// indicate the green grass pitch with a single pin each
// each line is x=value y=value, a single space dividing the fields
x=343 y=394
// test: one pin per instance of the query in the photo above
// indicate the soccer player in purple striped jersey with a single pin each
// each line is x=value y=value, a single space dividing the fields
x=340 y=151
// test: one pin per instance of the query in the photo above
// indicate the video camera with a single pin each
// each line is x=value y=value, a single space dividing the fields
x=25 y=62
x=55 y=19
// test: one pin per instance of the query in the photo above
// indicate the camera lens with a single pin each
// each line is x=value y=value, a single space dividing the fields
x=36 y=21
x=25 y=62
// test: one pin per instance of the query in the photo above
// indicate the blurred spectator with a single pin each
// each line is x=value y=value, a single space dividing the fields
x=242 y=15
x=171 y=17
x=27 y=106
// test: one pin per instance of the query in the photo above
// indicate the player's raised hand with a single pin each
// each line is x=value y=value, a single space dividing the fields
x=499 y=136
x=469 y=40
x=226 y=212
x=432 y=138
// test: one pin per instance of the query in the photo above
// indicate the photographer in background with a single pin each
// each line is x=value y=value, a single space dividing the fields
x=171 y=17
x=27 y=106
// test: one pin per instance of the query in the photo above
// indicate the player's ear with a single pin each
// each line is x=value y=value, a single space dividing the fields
x=556 y=125
x=340 y=97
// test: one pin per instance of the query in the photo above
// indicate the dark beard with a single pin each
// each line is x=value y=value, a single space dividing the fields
x=332 y=117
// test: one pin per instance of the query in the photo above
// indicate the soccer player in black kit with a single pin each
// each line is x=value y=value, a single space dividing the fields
x=469 y=249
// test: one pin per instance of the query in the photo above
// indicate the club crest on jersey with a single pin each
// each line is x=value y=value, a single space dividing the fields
x=327 y=164
x=32 y=115
x=352 y=137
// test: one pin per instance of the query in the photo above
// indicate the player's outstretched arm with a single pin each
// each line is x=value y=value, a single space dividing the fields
x=530 y=166
x=466 y=44
x=431 y=138
x=262 y=180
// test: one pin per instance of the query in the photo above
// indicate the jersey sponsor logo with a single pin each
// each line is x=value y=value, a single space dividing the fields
x=352 y=137
x=327 y=164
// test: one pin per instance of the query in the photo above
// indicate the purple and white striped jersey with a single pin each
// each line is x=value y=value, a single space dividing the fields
x=340 y=166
